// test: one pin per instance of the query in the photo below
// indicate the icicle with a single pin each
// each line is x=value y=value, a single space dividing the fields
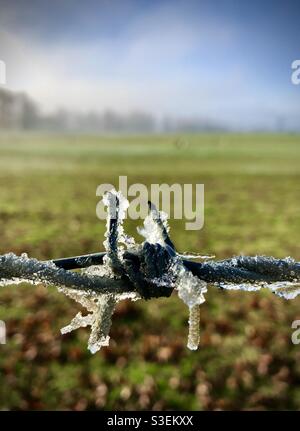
x=102 y=323
x=194 y=328
x=102 y=306
x=191 y=291
x=117 y=206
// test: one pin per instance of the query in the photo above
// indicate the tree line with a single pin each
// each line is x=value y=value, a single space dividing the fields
x=20 y=112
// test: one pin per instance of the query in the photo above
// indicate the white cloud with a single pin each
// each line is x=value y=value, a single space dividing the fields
x=166 y=63
x=147 y=72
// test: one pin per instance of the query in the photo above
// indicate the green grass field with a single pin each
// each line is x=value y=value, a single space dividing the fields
x=47 y=209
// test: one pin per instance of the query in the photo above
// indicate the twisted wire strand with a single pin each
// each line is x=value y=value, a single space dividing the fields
x=138 y=267
x=17 y=269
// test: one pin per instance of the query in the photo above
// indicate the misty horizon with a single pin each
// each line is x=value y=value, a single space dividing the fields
x=18 y=111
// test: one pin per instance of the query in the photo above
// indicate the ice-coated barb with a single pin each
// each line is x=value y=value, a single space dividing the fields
x=101 y=305
x=160 y=219
x=155 y=228
x=116 y=210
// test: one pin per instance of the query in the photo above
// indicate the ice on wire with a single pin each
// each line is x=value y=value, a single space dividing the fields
x=101 y=307
x=191 y=291
x=99 y=288
x=190 y=288
x=151 y=230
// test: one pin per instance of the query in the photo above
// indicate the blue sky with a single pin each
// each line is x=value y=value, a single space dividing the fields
x=229 y=61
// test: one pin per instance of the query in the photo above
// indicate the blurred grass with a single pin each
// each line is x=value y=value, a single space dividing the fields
x=47 y=208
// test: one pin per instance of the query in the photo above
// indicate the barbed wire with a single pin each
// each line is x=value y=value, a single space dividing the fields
x=152 y=269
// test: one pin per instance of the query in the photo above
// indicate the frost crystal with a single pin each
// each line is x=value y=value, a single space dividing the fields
x=191 y=291
x=117 y=206
x=101 y=308
x=284 y=289
x=190 y=288
x=151 y=230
